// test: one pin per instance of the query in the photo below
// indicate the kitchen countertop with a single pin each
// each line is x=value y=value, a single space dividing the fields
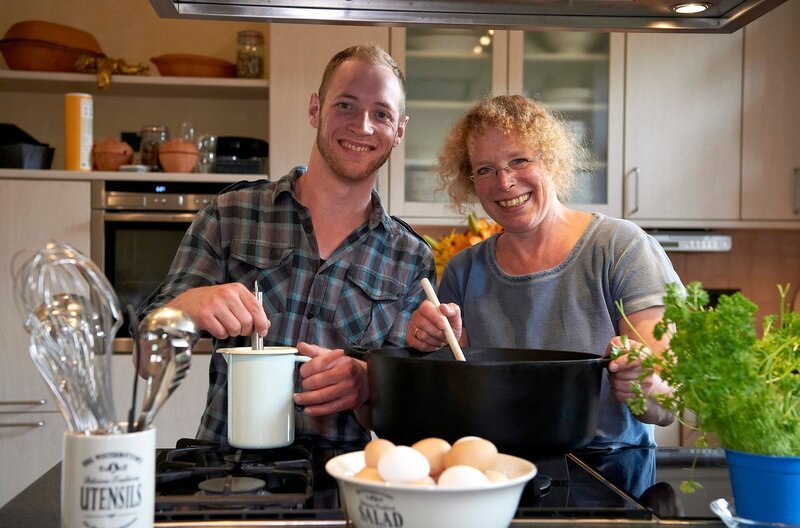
x=38 y=505
x=23 y=174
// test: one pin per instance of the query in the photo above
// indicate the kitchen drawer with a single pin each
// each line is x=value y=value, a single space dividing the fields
x=30 y=444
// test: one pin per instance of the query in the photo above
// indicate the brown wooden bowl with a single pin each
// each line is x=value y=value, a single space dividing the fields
x=45 y=46
x=193 y=66
x=35 y=55
x=39 y=30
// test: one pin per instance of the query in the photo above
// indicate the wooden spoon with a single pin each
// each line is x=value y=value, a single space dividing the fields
x=448 y=330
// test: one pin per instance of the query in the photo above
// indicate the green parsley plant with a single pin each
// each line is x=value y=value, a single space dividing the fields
x=743 y=388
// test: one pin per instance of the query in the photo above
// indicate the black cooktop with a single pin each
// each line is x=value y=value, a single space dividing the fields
x=200 y=481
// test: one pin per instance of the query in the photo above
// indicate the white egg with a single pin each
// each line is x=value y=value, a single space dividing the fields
x=403 y=464
x=462 y=477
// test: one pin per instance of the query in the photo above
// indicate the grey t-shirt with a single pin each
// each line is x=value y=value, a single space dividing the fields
x=568 y=307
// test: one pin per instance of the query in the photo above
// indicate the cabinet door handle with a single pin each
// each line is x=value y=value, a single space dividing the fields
x=796 y=191
x=40 y=423
x=635 y=209
x=23 y=402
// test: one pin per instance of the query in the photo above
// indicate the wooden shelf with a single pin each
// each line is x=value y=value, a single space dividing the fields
x=138 y=85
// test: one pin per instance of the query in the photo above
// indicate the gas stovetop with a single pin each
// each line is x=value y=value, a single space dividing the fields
x=199 y=482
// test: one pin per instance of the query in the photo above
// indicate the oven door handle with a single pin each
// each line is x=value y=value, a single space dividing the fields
x=149 y=217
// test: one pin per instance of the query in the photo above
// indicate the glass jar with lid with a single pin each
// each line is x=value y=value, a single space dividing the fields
x=151 y=138
x=250 y=54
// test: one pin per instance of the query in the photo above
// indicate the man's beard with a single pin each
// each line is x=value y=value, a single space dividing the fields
x=339 y=169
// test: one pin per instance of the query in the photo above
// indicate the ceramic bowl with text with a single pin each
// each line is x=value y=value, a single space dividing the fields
x=370 y=504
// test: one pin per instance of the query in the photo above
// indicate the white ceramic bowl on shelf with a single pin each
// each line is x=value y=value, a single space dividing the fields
x=370 y=504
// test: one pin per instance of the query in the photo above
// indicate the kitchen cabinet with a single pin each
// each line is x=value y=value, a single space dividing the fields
x=31 y=213
x=682 y=128
x=180 y=415
x=579 y=75
x=771 y=113
x=446 y=69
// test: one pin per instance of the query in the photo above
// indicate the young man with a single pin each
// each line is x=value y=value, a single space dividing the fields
x=335 y=269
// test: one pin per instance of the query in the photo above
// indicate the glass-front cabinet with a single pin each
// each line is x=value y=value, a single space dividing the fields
x=446 y=69
x=576 y=74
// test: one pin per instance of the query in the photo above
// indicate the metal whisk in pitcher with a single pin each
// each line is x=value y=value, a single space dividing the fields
x=72 y=314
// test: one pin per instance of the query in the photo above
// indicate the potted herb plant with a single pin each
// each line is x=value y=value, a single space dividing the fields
x=744 y=388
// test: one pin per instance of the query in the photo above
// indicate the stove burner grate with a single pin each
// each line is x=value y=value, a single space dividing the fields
x=198 y=476
x=231 y=485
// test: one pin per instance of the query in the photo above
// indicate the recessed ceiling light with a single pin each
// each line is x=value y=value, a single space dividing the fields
x=690 y=8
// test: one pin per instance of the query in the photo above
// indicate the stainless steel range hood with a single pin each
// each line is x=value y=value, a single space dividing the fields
x=723 y=16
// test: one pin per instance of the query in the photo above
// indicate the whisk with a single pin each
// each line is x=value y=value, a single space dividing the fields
x=72 y=314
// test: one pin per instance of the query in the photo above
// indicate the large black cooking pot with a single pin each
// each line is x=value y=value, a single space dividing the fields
x=525 y=401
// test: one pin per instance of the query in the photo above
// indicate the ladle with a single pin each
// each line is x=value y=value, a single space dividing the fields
x=448 y=330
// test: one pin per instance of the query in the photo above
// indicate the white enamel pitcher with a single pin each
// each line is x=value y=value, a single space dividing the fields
x=260 y=396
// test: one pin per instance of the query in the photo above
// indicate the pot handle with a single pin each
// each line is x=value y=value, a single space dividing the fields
x=357 y=352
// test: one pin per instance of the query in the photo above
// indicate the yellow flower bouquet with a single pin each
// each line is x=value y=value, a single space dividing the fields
x=478 y=230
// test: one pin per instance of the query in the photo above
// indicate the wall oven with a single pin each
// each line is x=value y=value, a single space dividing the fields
x=136 y=229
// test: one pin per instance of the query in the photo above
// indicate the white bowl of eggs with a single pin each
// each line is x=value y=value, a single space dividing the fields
x=430 y=484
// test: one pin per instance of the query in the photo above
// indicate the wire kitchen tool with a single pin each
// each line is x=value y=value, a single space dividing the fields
x=72 y=314
x=56 y=329
x=166 y=336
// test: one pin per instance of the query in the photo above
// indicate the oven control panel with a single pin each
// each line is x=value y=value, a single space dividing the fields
x=157 y=202
x=154 y=196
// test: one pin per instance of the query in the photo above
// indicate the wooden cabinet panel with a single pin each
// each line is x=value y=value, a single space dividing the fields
x=31 y=214
x=30 y=444
x=682 y=126
x=771 y=114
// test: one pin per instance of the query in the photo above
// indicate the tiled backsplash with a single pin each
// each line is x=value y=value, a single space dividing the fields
x=759 y=260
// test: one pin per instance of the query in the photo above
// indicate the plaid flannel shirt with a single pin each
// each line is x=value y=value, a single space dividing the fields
x=362 y=295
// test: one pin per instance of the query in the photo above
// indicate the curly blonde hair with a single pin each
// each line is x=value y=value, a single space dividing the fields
x=515 y=115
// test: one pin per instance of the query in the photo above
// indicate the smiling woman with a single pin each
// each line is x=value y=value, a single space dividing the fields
x=540 y=136
x=562 y=270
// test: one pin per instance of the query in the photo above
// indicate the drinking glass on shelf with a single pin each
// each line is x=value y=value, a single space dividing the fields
x=207 y=147
x=187 y=132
